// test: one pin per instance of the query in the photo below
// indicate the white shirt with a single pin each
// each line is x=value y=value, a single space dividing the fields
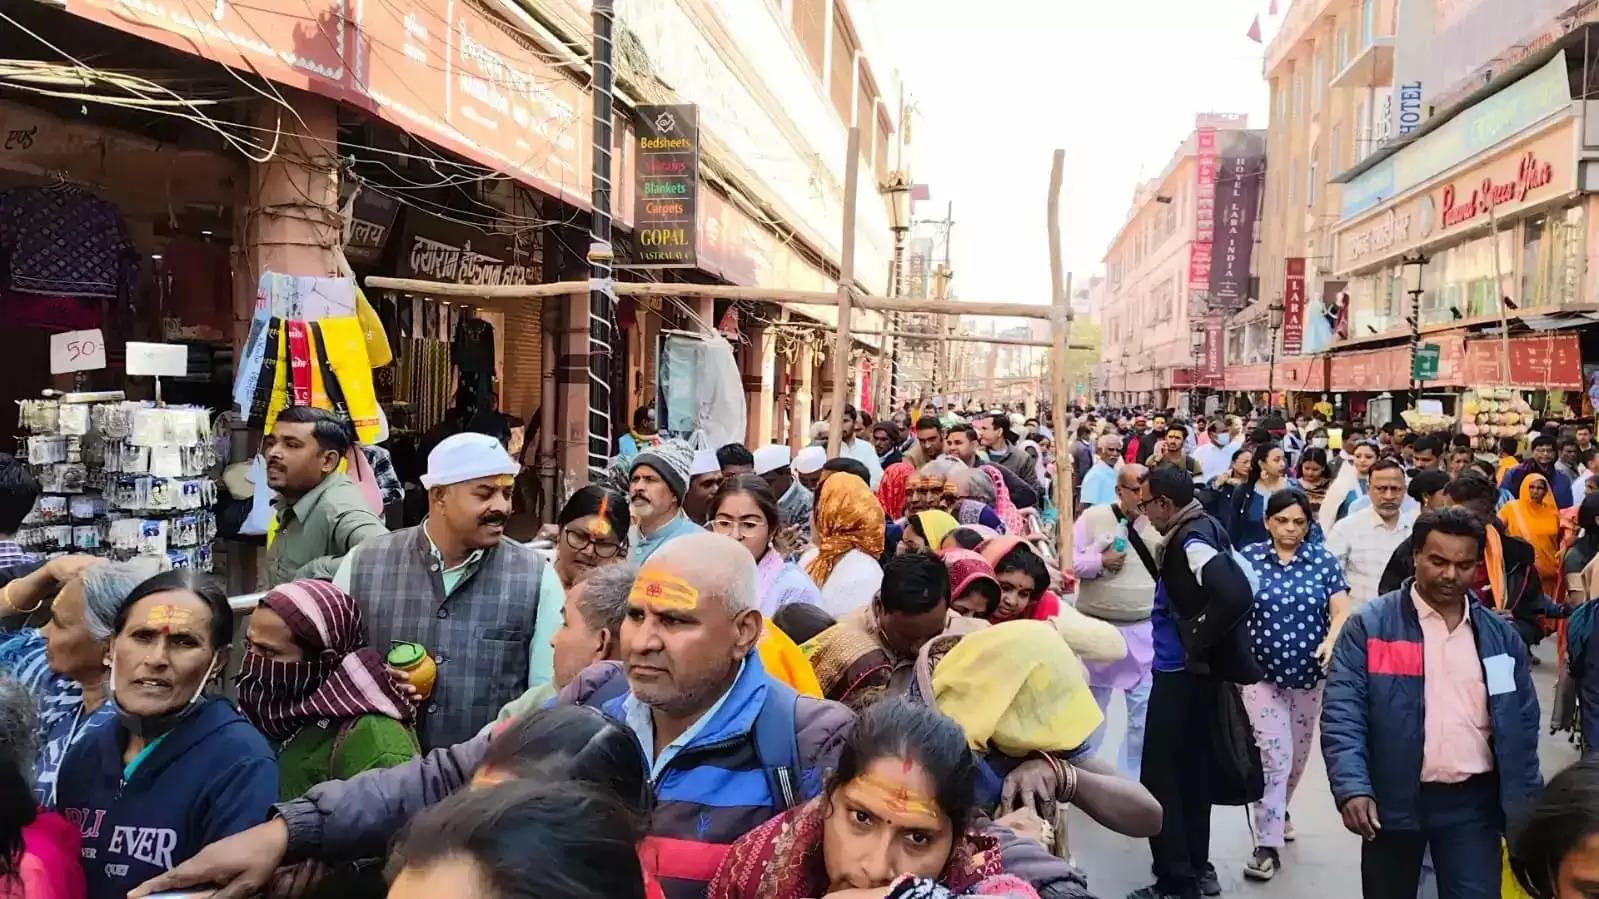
x=1214 y=459
x=854 y=582
x=866 y=454
x=1362 y=544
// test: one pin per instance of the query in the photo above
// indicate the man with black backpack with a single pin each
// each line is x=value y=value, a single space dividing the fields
x=1194 y=755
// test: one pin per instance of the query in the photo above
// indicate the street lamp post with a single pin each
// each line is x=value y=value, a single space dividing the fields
x=1274 y=323
x=1196 y=345
x=898 y=190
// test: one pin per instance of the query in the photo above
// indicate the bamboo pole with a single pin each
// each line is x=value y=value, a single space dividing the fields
x=1061 y=301
x=780 y=296
x=846 y=278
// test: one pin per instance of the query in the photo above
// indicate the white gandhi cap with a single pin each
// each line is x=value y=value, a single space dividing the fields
x=467 y=457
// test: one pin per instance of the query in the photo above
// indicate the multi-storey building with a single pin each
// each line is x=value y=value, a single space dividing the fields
x=1185 y=252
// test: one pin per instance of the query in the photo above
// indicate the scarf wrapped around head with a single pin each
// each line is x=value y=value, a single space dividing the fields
x=891 y=489
x=848 y=516
x=1538 y=523
x=934 y=525
x=965 y=568
x=340 y=678
x=1004 y=507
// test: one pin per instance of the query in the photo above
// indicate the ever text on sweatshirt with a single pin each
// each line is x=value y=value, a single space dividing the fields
x=212 y=776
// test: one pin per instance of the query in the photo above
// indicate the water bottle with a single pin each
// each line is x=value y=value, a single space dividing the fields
x=1121 y=536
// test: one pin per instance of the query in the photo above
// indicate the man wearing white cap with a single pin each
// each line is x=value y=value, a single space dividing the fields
x=773 y=463
x=657 y=493
x=456 y=585
x=704 y=479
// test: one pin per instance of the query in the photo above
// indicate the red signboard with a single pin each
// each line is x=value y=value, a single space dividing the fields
x=1544 y=362
x=1199 y=253
x=1248 y=377
x=1370 y=371
x=444 y=70
x=1305 y=374
x=1294 y=306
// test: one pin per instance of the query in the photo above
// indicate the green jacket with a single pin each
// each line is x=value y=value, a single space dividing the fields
x=317 y=530
x=364 y=743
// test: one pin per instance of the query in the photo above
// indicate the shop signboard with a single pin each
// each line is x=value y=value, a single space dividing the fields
x=666 y=186
x=1301 y=373
x=1293 y=305
x=1200 y=254
x=371 y=222
x=436 y=249
x=447 y=71
x=1473 y=132
x=1370 y=371
x=1424 y=362
x=1248 y=377
x=77 y=351
x=1237 y=200
x=1520 y=175
x=1540 y=362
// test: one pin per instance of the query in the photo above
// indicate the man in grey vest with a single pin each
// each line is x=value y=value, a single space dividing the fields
x=459 y=587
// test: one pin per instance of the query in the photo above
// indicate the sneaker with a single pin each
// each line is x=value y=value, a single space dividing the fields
x=1152 y=891
x=1209 y=883
x=1264 y=865
x=1288 y=829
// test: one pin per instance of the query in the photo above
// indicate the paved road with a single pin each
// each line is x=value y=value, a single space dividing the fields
x=1324 y=860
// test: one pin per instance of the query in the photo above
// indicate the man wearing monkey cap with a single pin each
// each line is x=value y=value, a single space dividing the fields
x=456 y=585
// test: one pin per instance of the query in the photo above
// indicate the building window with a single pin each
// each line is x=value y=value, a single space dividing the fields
x=1310 y=182
x=1362 y=133
x=1335 y=150
x=1293 y=184
x=1282 y=101
x=810 y=26
x=841 y=81
x=1368 y=22
x=1299 y=95
x=1343 y=47
x=1318 y=82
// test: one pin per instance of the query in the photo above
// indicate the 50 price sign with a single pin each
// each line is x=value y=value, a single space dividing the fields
x=77 y=351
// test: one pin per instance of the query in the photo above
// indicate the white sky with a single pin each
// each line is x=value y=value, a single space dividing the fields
x=1116 y=83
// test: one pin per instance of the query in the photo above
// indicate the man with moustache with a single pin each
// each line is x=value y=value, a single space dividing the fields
x=459 y=587
x=657 y=495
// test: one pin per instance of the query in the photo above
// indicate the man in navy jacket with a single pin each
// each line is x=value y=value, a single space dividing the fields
x=1430 y=722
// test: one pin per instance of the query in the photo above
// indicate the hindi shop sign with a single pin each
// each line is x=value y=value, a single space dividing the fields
x=436 y=249
x=666 y=187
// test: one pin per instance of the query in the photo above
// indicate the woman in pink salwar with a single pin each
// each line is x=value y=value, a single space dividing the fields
x=38 y=848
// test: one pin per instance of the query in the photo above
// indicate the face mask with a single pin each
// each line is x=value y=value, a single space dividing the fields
x=267 y=687
x=152 y=727
x=1320 y=442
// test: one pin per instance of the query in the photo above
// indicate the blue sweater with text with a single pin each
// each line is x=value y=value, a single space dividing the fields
x=211 y=777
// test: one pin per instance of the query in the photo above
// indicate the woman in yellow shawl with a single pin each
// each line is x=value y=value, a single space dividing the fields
x=1534 y=517
x=847 y=542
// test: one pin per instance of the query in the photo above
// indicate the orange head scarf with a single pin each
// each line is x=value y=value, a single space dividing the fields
x=848 y=516
x=1538 y=523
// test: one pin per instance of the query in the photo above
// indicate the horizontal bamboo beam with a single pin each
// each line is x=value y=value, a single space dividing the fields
x=933 y=337
x=714 y=291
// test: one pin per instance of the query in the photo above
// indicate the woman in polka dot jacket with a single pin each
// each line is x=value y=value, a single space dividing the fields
x=1301 y=603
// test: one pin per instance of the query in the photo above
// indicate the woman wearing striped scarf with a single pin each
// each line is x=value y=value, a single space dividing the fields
x=313 y=688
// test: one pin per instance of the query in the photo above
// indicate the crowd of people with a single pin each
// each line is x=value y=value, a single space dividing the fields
x=755 y=672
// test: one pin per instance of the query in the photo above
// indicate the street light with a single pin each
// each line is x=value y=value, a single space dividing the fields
x=1196 y=345
x=1274 y=322
x=898 y=189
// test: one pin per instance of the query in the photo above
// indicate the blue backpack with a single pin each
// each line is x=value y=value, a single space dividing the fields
x=1579 y=627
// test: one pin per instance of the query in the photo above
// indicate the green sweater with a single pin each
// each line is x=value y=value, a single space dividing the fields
x=370 y=741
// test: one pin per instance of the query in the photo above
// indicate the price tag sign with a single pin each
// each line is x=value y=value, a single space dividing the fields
x=77 y=351
x=163 y=360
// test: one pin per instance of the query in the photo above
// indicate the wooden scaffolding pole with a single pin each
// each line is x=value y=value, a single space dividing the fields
x=779 y=296
x=1060 y=298
x=846 y=280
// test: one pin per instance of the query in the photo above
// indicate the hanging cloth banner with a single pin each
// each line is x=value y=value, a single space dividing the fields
x=299 y=364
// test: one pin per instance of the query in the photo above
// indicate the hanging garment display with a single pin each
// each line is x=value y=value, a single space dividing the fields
x=64 y=241
x=295 y=357
x=700 y=389
x=120 y=479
